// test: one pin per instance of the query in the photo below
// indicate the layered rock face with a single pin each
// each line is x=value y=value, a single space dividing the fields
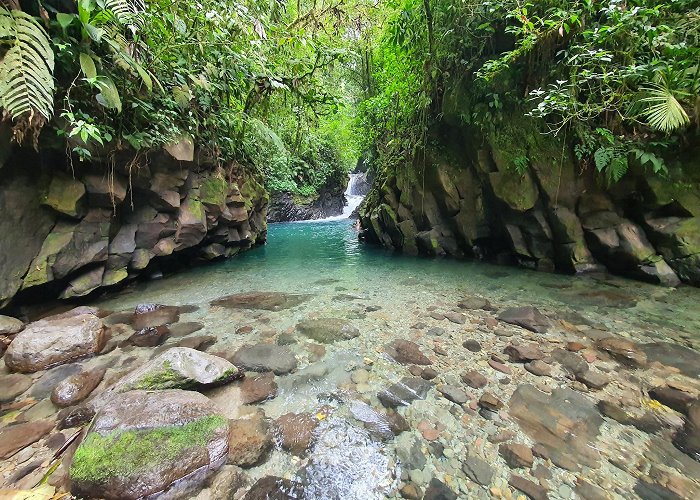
x=67 y=233
x=285 y=207
x=519 y=196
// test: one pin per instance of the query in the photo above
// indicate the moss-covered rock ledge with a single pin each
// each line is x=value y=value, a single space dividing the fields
x=518 y=196
x=69 y=230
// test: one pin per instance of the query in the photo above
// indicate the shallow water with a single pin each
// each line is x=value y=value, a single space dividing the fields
x=354 y=454
x=384 y=295
x=326 y=260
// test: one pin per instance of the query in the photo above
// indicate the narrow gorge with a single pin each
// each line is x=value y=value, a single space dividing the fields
x=349 y=250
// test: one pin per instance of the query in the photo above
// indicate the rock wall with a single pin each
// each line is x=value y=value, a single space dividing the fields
x=70 y=230
x=286 y=207
x=519 y=196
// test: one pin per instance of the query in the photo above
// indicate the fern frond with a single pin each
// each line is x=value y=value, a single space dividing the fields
x=664 y=112
x=26 y=70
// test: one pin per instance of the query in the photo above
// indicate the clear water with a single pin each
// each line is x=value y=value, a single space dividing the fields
x=325 y=258
x=384 y=295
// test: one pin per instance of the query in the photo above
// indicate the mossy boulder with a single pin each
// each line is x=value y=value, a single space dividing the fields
x=517 y=191
x=179 y=368
x=66 y=195
x=142 y=442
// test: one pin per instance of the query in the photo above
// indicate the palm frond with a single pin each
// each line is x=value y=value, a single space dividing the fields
x=26 y=70
x=663 y=110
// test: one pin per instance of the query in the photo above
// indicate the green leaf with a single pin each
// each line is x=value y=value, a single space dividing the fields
x=87 y=65
x=26 y=70
x=109 y=95
x=65 y=19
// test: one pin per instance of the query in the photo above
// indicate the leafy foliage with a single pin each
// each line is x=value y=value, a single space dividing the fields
x=26 y=69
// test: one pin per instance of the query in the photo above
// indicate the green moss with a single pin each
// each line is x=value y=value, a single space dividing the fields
x=165 y=378
x=124 y=453
x=212 y=190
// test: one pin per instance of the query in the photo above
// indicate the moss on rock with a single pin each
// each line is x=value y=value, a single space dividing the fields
x=123 y=454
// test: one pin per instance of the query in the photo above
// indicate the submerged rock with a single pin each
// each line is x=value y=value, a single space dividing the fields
x=327 y=330
x=529 y=318
x=406 y=353
x=179 y=368
x=523 y=352
x=688 y=439
x=151 y=315
x=150 y=336
x=295 y=432
x=477 y=470
x=687 y=360
x=565 y=423
x=275 y=488
x=258 y=388
x=16 y=437
x=623 y=350
x=76 y=388
x=46 y=343
x=265 y=358
x=269 y=301
x=405 y=392
x=13 y=385
x=142 y=442
x=346 y=463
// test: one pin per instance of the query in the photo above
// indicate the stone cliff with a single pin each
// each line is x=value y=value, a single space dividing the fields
x=68 y=230
x=519 y=196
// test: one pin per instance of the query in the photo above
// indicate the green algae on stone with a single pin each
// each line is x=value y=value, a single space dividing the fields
x=123 y=454
x=212 y=190
x=165 y=378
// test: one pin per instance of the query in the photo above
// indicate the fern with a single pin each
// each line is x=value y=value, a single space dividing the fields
x=26 y=70
x=664 y=113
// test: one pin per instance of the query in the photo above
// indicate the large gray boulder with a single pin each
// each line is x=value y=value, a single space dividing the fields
x=142 y=442
x=47 y=343
x=179 y=368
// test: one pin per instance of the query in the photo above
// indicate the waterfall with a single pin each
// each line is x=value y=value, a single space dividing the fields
x=354 y=194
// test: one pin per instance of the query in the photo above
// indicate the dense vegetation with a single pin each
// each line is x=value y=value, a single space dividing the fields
x=299 y=89
x=619 y=78
x=247 y=80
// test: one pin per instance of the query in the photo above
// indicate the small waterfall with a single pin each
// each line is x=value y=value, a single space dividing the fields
x=354 y=194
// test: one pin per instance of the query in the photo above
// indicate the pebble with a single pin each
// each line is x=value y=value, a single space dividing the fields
x=472 y=345
x=474 y=379
x=498 y=366
x=360 y=376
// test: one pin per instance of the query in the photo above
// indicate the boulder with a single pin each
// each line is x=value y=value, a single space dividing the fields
x=179 y=368
x=105 y=190
x=406 y=352
x=10 y=325
x=46 y=343
x=265 y=358
x=142 y=442
x=565 y=423
x=76 y=388
x=269 y=301
x=528 y=317
x=149 y=336
x=249 y=440
x=327 y=330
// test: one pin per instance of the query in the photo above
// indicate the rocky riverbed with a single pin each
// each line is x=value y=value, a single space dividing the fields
x=343 y=393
